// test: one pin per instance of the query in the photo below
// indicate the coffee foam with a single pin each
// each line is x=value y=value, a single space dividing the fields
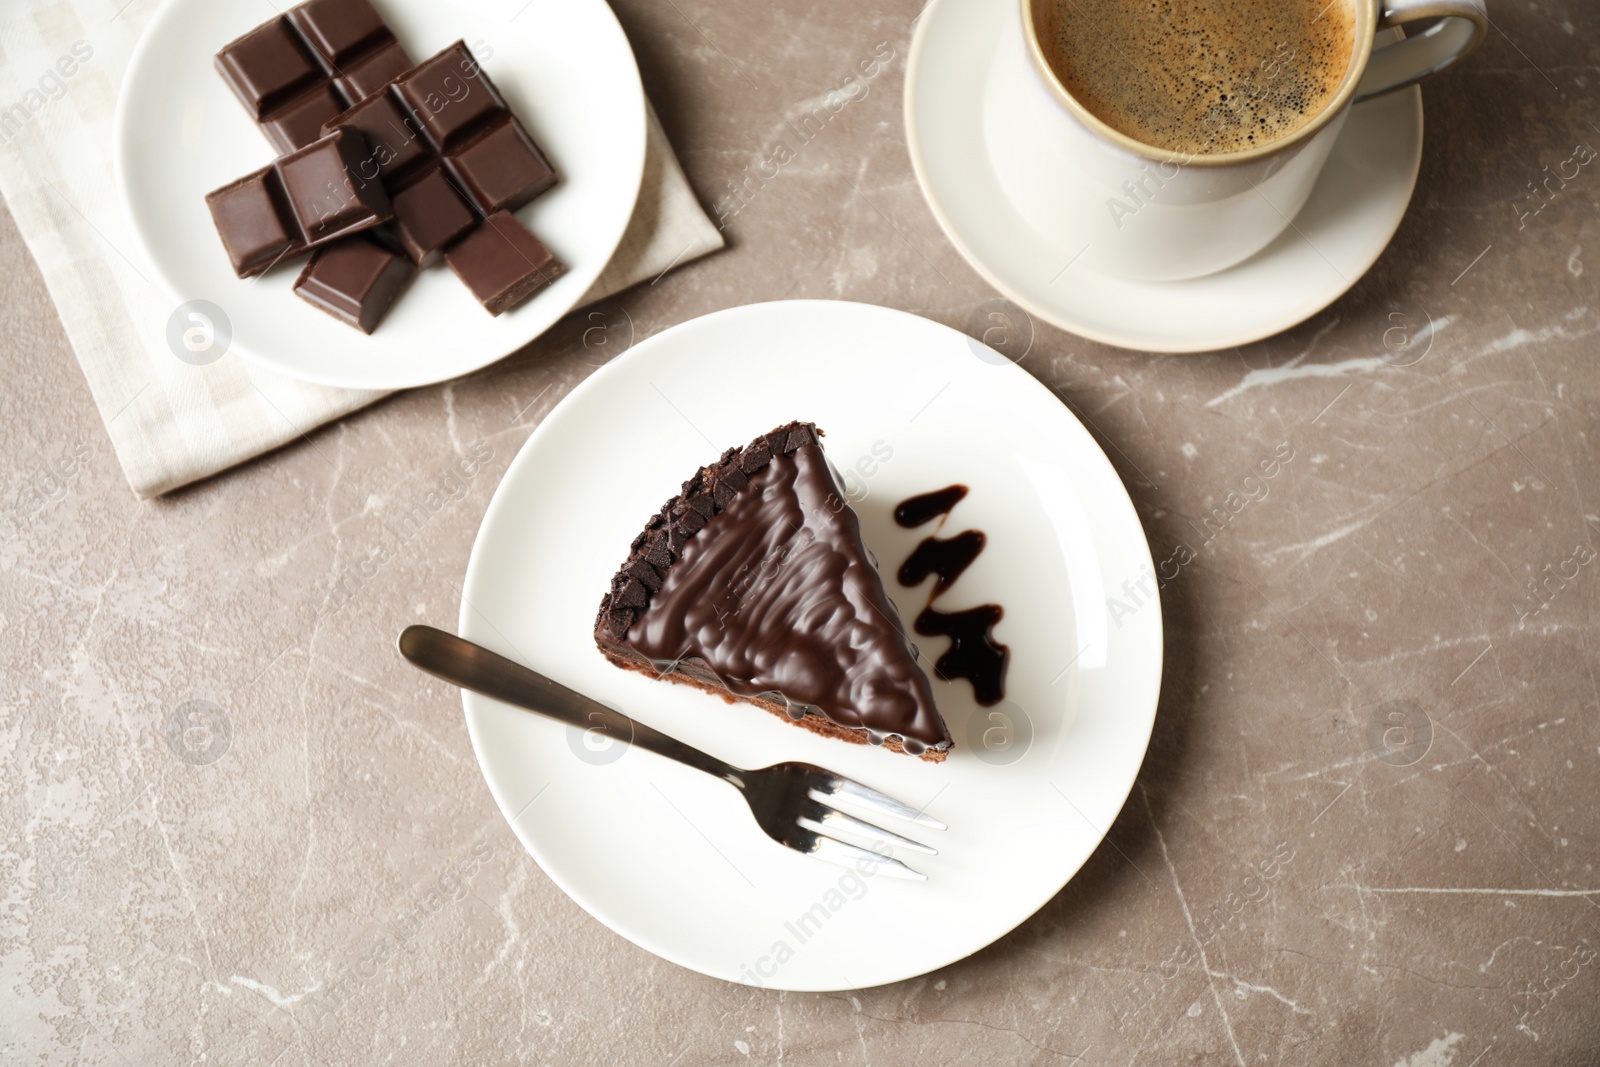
x=1200 y=77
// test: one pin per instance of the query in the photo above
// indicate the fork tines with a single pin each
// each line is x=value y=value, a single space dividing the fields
x=825 y=819
x=821 y=819
x=835 y=785
x=835 y=851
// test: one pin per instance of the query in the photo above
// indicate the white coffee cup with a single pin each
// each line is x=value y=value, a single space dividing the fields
x=1150 y=214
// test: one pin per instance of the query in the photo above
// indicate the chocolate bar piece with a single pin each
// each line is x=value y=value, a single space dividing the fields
x=339 y=31
x=502 y=263
x=355 y=280
x=267 y=67
x=371 y=73
x=446 y=146
x=323 y=184
x=429 y=214
x=299 y=70
x=450 y=96
x=304 y=199
x=502 y=169
x=353 y=44
x=397 y=150
x=254 y=223
x=300 y=121
x=451 y=99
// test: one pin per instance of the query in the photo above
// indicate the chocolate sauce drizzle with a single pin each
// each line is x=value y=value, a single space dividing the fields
x=946 y=558
x=919 y=509
x=973 y=654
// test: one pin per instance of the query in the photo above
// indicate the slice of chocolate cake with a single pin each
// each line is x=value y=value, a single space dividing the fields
x=753 y=584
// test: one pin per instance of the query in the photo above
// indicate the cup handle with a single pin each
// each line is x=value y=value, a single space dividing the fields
x=1462 y=27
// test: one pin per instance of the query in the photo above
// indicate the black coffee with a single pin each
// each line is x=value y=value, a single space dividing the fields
x=1199 y=76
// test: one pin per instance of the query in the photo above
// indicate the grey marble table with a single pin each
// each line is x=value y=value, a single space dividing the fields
x=1365 y=832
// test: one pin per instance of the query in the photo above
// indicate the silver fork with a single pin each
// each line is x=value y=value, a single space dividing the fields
x=791 y=802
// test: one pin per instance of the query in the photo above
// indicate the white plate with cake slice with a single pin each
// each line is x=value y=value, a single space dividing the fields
x=671 y=858
x=566 y=71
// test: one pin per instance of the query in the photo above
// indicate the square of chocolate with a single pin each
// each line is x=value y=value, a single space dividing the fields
x=429 y=213
x=450 y=96
x=356 y=280
x=267 y=67
x=502 y=169
x=299 y=122
x=323 y=183
x=254 y=222
x=338 y=29
x=394 y=146
x=502 y=263
x=361 y=77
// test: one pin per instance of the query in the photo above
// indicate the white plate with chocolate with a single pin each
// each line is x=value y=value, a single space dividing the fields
x=380 y=194
x=707 y=509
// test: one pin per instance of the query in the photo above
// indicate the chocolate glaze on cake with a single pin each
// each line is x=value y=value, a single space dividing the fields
x=754 y=584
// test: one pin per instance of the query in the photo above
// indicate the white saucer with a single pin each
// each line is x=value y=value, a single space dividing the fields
x=1353 y=211
x=671 y=858
x=563 y=65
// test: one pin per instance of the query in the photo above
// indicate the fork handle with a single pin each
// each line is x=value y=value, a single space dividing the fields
x=471 y=666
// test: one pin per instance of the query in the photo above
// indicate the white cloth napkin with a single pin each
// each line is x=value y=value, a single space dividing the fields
x=172 y=423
